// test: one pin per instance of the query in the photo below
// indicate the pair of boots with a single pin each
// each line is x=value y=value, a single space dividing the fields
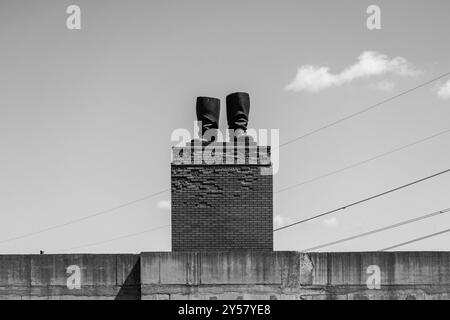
x=238 y=109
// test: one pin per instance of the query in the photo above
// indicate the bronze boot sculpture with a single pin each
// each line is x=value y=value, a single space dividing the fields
x=238 y=109
x=208 y=112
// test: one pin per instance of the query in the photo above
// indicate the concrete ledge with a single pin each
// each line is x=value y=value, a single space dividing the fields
x=294 y=275
x=396 y=268
x=228 y=275
x=69 y=276
x=237 y=267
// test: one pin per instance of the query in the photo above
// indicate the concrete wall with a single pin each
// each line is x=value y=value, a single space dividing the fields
x=227 y=275
x=69 y=277
x=293 y=275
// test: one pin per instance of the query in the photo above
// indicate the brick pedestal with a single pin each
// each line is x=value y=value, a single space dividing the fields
x=222 y=198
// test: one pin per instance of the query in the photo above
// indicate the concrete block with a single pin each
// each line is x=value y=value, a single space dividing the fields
x=15 y=270
x=51 y=270
x=169 y=268
x=399 y=268
x=246 y=267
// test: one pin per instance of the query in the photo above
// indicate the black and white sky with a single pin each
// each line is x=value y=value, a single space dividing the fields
x=86 y=115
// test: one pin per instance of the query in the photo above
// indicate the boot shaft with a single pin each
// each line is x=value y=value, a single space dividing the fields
x=238 y=109
x=208 y=112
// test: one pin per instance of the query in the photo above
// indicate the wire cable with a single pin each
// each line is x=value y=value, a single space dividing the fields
x=111 y=240
x=392 y=226
x=416 y=240
x=97 y=214
x=353 y=115
x=363 y=200
x=282 y=145
x=363 y=162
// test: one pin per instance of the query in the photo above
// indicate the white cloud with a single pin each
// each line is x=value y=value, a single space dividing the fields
x=331 y=222
x=164 y=205
x=370 y=63
x=280 y=221
x=384 y=85
x=443 y=91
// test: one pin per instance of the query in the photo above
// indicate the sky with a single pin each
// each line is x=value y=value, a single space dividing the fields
x=86 y=115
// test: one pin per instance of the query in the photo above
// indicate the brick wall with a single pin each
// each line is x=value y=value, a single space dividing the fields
x=222 y=206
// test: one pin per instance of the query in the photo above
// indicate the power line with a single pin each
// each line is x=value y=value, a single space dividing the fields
x=353 y=115
x=107 y=211
x=393 y=226
x=100 y=213
x=166 y=190
x=363 y=200
x=113 y=239
x=282 y=145
x=363 y=162
x=416 y=240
